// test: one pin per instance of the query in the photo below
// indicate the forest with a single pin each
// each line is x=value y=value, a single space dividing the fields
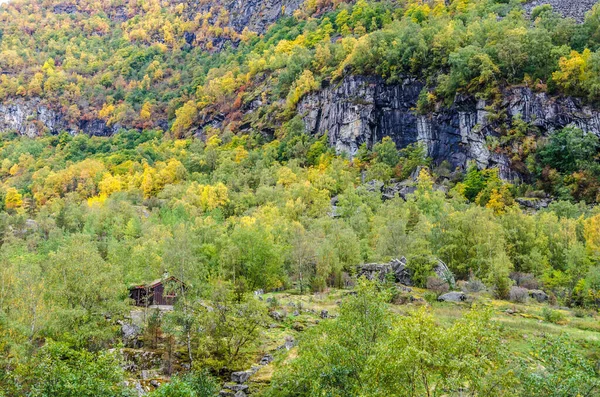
x=268 y=226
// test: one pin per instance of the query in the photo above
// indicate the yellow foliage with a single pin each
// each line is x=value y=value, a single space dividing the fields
x=207 y=197
x=574 y=70
x=240 y=154
x=110 y=184
x=184 y=118
x=592 y=235
x=287 y=46
x=496 y=202
x=107 y=111
x=146 y=112
x=286 y=176
x=14 y=170
x=213 y=142
x=247 y=221
x=305 y=84
x=13 y=199
x=97 y=201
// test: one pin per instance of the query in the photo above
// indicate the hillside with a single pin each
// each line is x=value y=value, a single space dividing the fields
x=299 y=198
x=573 y=9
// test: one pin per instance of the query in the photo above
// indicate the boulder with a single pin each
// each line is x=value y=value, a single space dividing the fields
x=402 y=190
x=130 y=333
x=267 y=359
x=443 y=272
x=235 y=387
x=298 y=327
x=572 y=8
x=240 y=376
x=453 y=296
x=380 y=271
x=277 y=316
x=538 y=295
x=289 y=343
x=400 y=272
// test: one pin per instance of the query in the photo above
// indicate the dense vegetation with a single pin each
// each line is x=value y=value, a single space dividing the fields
x=94 y=215
x=82 y=218
x=155 y=66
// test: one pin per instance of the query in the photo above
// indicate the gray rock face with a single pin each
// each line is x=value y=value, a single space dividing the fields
x=256 y=15
x=364 y=109
x=453 y=297
x=533 y=203
x=568 y=8
x=33 y=117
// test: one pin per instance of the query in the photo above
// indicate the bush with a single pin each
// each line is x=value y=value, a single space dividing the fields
x=580 y=312
x=473 y=285
x=196 y=384
x=518 y=294
x=552 y=316
x=437 y=285
x=525 y=280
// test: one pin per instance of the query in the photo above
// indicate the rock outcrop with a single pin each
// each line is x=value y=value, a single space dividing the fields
x=364 y=109
x=538 y=295
x=33 y=117
x=256 y=15
x=380 y=271
x=569 y=8
x=397 y=269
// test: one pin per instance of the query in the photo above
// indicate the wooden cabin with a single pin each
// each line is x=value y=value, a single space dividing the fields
x=161 y=292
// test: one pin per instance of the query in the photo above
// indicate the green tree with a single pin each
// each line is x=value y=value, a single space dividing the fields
x=333 y=356
x=422 y=358
x=60 y=371
x=84 y=292
x=554 y=368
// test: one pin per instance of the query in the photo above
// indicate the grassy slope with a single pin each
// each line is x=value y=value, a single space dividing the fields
x=522 y=324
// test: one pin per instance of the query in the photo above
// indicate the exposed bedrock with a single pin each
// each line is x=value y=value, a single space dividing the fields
x=364 y=109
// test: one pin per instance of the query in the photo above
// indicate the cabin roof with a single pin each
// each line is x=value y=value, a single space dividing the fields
x=156 y=282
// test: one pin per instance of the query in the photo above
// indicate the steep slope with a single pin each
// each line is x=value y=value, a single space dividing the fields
x=365 y=109
x=439 y=74
x=569 y=8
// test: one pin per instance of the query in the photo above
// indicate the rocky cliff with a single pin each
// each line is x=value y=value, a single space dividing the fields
x=569 y=8
x=32 y=117
x=256 y=15
x=363 y=109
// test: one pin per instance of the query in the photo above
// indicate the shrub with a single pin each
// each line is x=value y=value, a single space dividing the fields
x=518 y=294
x=580 y=312
x=525 y=280
x=273 y=303
x=473 y=285
x=553 y=316
x=437 y=285
x=197 y=384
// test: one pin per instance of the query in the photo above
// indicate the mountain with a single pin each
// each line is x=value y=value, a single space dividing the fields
x=181 y=67
x=300 y=198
